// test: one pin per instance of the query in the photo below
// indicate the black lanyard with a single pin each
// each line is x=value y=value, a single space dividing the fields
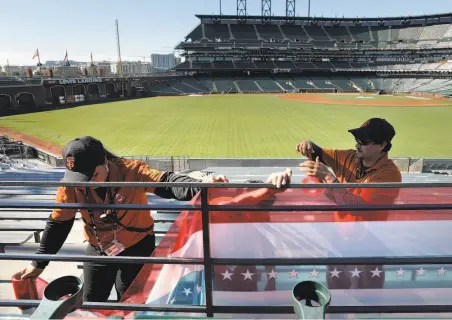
x=91 y=216
x=117 y=221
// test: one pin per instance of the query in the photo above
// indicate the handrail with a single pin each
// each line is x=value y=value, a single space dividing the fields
x=264 y=309
x=222 y=185
x=368 y=207
x=240 y=262
x=207 y=261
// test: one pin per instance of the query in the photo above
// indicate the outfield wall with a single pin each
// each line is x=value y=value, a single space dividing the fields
x=184 y=163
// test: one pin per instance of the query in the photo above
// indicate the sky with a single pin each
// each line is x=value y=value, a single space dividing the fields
x=148 y=26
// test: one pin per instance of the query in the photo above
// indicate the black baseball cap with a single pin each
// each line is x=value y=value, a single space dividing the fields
x=376 y=130
x=81 y=157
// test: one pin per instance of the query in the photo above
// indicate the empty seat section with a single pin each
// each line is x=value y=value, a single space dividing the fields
x=217 y=31
x=202 y=65
x=196 y=34
x=183 y=66
x=338 y=33
x=448 y=33
x=223 y=65
x=225 y=85
x=243 y=31
x=362 y=83
x=285 y=64
x=410 y=33
x=433 y=32
x=341 y=65
x=208 y=83
x=322 y=83
x=342 y=83
x=265 y=64
x=383 y=34
x=163 y=87
x=323 y=65
x=305 y=65
x=360 y=33
x=301 y=83
x=317 y=33
x=244 y=65
x=195 y=84
x=247 y=85
x=359 y=65
x=269 y=31
x=294 y=32
x=181 y=86
x=267 y=84
x=285 y=82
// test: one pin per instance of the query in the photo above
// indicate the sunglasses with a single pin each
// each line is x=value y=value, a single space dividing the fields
x=364 y=143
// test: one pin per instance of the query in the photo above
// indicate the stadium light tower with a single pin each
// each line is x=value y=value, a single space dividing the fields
x=266 y=10
x=241 y=10
x=290 y=10
x=119 y=49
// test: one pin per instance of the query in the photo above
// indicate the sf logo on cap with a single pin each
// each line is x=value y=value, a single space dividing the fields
x=70 y=162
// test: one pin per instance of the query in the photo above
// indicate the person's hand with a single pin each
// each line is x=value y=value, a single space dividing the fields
x=315 y=169
x=305 y=148
x=280 y=179
x=31 y=272
x=220 y=178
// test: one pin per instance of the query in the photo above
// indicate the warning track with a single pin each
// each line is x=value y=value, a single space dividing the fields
x=323 y=99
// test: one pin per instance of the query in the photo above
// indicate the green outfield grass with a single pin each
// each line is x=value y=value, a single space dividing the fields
x=235 y=126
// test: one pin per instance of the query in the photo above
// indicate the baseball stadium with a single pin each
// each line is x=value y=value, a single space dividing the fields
x=250 y=89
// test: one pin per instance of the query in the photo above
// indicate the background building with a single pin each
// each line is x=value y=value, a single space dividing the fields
x=164 y=62
x=132 y=68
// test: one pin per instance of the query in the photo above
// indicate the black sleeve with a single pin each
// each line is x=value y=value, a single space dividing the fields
x=317 y=151
x=179 y=193
x=53 y=237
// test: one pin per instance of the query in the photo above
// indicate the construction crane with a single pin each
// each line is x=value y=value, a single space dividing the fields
x=120 y=71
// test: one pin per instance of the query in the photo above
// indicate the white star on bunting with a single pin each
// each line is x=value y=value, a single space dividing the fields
x=376 y=272
x=173 y=300
x=272 y=274
x=293 y=274
x=314 y=273
x=198 y=289
x=420 y=272
x=441 y=272
x=400 y=273
x=355 y=273
x=248 y=275
x=335 y=273
x=187 y=291
x=227 y=275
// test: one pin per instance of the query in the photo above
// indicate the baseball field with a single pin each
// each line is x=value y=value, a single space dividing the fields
x=244 y=126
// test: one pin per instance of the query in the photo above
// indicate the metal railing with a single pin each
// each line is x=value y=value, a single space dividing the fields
x=208 y=261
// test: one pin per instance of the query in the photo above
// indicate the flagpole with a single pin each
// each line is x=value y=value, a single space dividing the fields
x=39 y=58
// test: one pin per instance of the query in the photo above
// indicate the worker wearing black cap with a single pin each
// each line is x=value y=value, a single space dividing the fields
x=108 y=232
x=367 y=163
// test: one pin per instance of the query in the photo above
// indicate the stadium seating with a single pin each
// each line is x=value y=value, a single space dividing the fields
x=302 y=82
x=285 y=82
x=217 y=32
x=225 y=85
x=251 y=55
x=268 y=84
x=269 y=32
x=194 y=83
x=247 y=85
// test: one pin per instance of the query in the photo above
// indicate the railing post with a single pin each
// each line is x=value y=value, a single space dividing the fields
x=206 y=251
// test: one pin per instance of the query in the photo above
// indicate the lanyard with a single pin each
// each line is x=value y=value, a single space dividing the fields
x=91 y=216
